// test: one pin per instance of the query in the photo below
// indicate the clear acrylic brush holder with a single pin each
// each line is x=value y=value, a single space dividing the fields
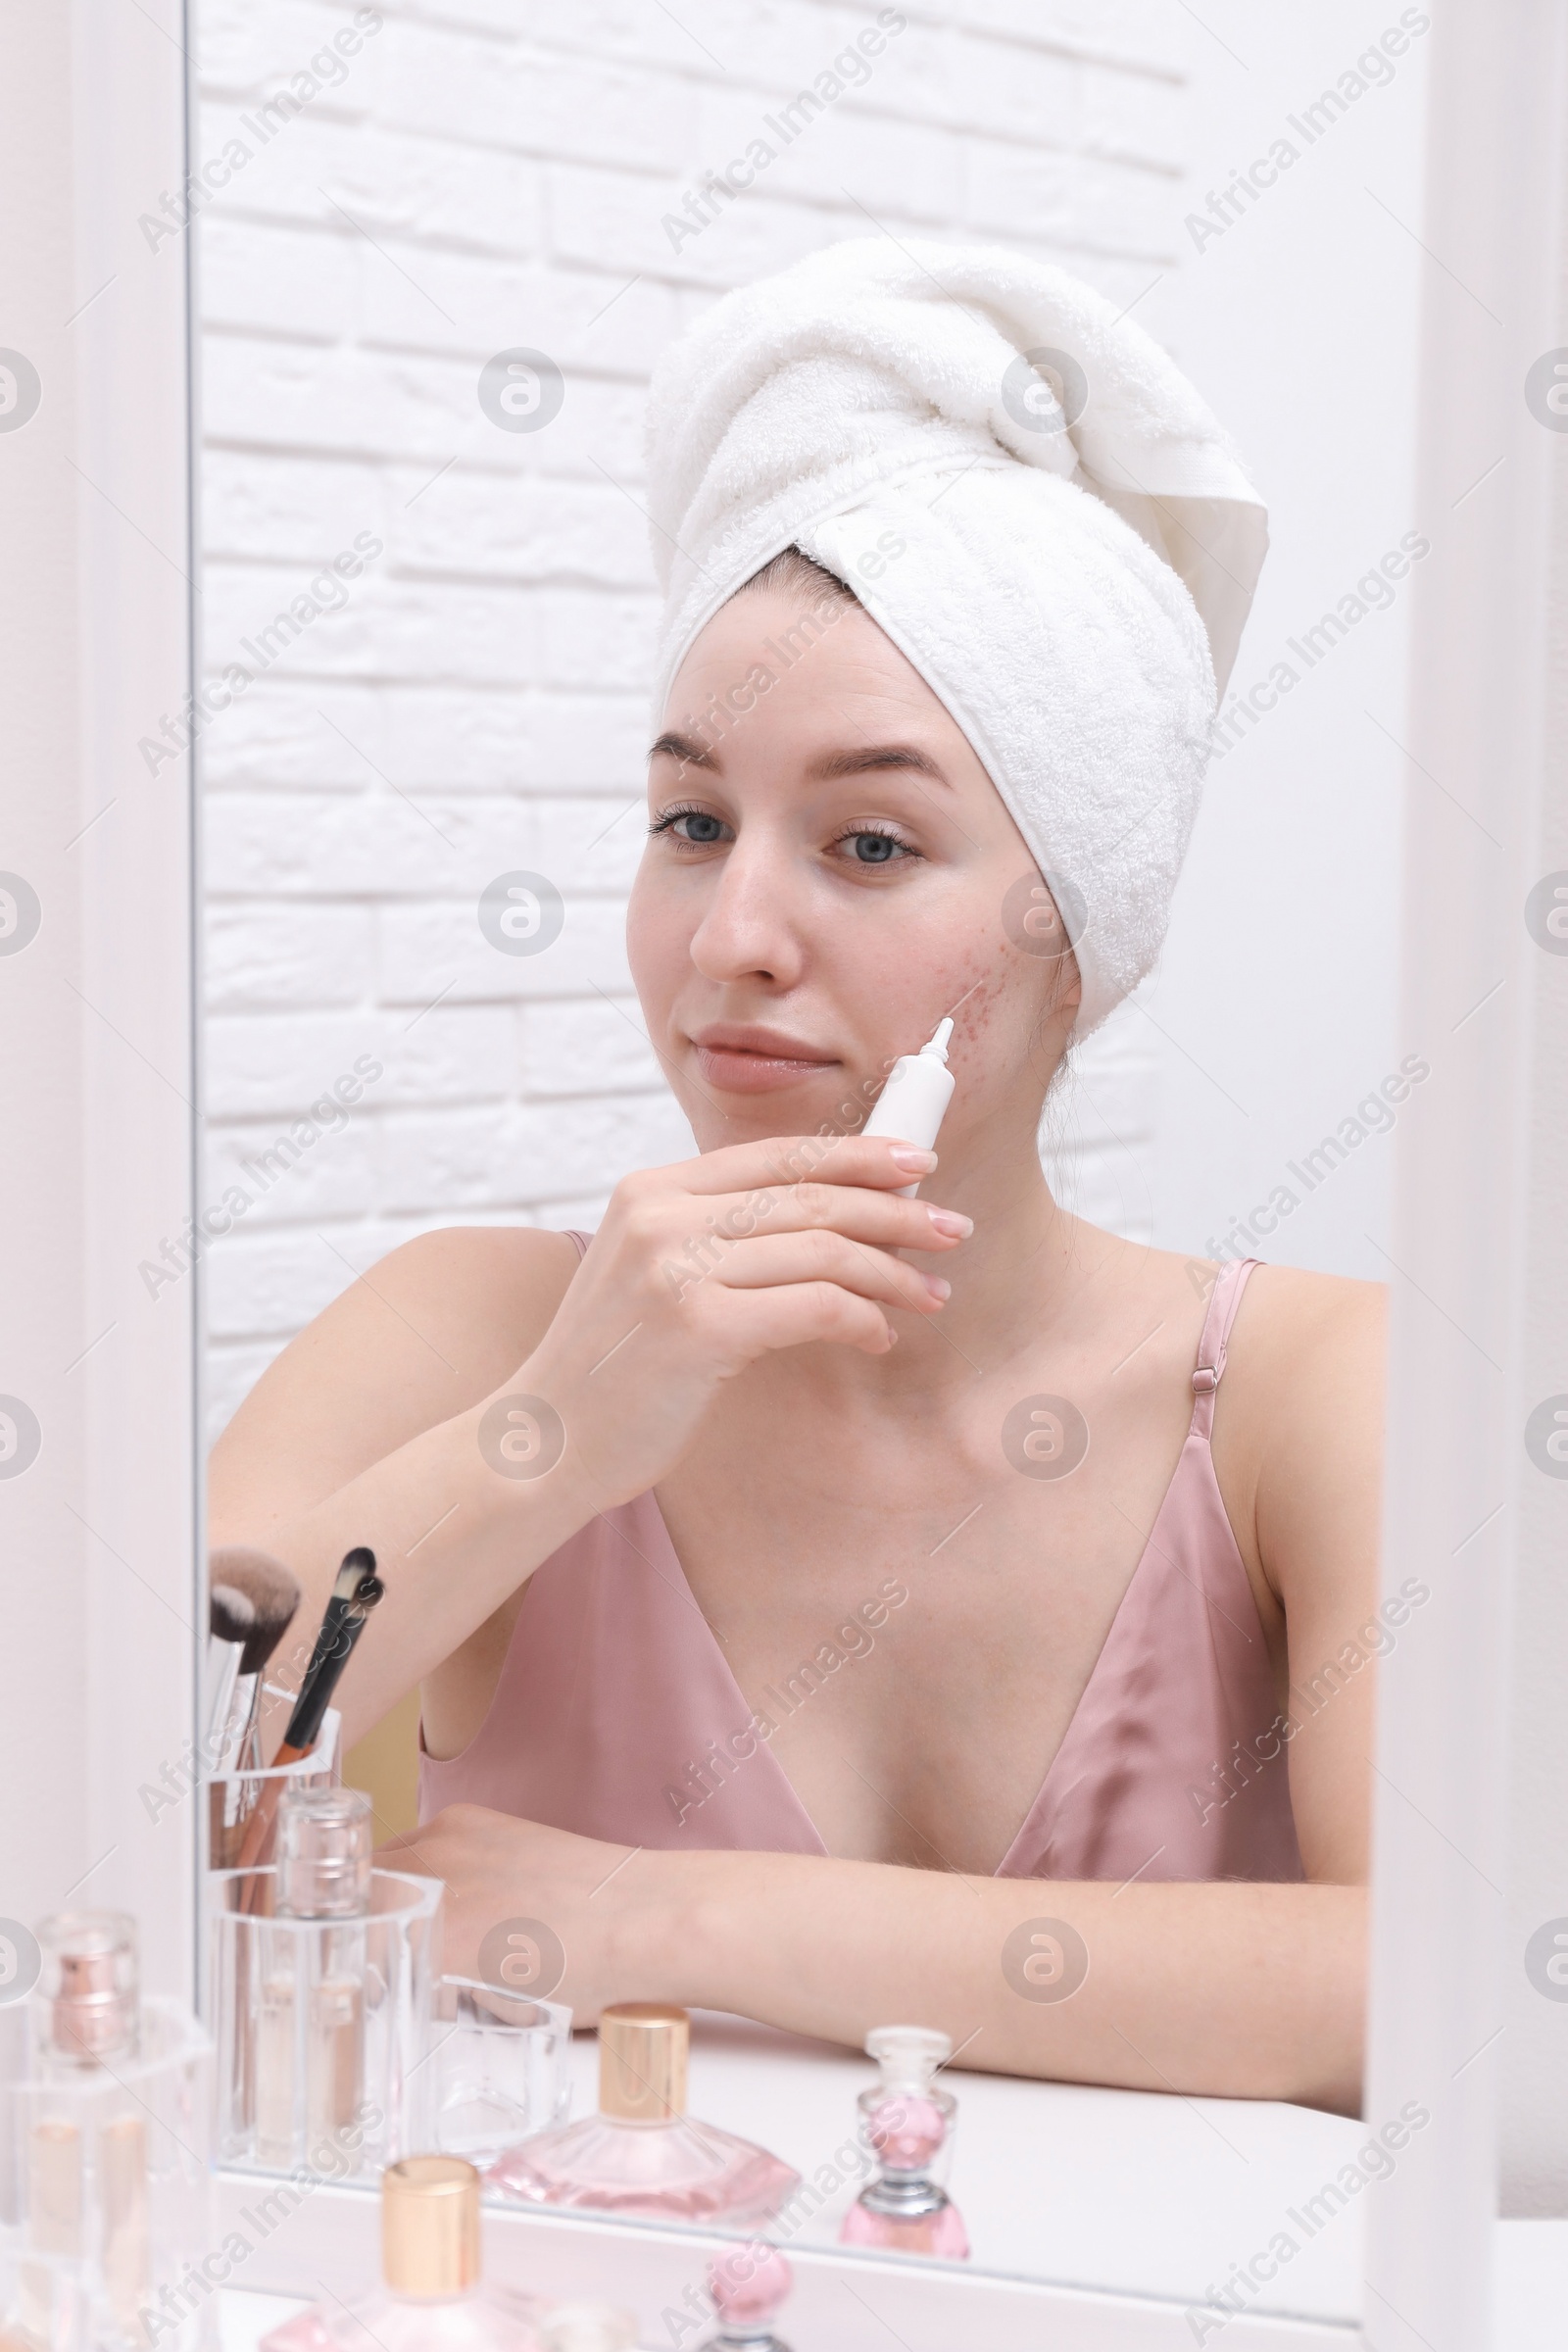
x=234 y=1800
x=322 y=2025
x=113 y=2211
x=500 y=2065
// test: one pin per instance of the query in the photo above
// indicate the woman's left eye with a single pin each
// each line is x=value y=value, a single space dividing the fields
x=875 y=849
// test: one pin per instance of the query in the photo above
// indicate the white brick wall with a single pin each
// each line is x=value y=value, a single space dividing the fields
x=487 y=174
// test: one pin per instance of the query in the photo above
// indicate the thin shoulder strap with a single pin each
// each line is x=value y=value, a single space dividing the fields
x=1224 y=1299
x=581 y=1240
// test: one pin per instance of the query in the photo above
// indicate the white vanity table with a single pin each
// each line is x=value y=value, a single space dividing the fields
x=1531 y=2273
x=1154 y=2199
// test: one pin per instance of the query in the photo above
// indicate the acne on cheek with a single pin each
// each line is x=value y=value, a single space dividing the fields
x=1008 y=1018
x=982 y=990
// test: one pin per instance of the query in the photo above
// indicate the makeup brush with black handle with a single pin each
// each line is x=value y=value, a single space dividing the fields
x=341 y=1628
x=355 y=1594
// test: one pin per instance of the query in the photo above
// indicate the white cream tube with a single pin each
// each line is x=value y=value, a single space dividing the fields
x=915 y=1101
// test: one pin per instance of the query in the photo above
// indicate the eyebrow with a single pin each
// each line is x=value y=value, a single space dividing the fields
x=854 y=762
x=877 y=755
x=681 y=748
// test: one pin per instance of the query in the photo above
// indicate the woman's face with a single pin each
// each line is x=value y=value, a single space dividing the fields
x=829 y=872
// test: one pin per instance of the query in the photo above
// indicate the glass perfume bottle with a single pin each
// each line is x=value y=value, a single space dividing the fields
x=111 y=2123
x=320 y=1978
x=309 y=2015
x=431 y=2298
x=642 y=2153
x=906 y=2121
x=87 y=2176
x=748 y=2284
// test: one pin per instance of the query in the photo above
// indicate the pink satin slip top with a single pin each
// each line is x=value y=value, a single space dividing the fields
x=616 y=1714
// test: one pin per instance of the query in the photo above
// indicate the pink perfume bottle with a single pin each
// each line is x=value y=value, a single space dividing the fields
x=907 y=2120
x=642 y=2153
x=748 y=2284
x=432 y=2299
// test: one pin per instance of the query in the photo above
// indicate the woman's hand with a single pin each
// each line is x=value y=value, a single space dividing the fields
x=699 y=1269
x=536 y=1911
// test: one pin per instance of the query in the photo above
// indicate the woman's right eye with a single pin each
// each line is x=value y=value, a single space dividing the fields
x=694 y=825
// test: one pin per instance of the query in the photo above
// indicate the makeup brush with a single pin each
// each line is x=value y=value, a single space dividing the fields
x=230 y=1622
x=341 y=1629
x=355 y=1594
x=274 y=1594
x=359 y=1565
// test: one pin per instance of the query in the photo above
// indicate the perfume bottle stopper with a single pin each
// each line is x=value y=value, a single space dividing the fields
x=324 y=1850
x=747 y=2285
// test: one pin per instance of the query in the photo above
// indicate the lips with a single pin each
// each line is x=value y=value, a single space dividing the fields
x=740 y=1059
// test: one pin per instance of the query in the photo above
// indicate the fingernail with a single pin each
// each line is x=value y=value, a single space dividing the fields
x=911 y=1156
x=937 y=1287
x=948 y=1220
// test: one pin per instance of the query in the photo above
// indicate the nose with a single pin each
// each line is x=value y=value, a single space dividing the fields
x=749 y=929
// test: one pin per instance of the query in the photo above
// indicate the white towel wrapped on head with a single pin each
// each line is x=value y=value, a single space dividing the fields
x=1078 y=543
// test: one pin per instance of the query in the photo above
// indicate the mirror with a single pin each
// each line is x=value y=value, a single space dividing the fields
x=99 y=1490
x=437 y=260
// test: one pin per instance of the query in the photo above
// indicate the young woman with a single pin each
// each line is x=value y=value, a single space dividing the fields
x=834 y=1605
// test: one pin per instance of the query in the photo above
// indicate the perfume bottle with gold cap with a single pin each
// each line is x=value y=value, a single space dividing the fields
x=432 y=2298
x=642 y=2153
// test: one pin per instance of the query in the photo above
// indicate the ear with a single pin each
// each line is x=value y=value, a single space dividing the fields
x=1069 y=986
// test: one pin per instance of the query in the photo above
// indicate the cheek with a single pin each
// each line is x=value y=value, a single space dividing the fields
x=659 y=936
x=1008 y=1038
x=1006 y=1002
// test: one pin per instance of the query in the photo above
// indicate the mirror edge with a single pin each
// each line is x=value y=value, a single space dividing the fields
x=99 y=592
x=1478 y=704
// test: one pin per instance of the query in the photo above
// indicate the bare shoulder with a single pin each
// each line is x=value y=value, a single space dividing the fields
x=1293 y=1328
x=423 y=1334
x=1288 y=1325
x=1305 y=1362
x=1299 y=1424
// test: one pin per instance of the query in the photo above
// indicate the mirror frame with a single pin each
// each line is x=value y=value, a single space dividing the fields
x=1481 y=706
x=96 y=638
x=98 y=503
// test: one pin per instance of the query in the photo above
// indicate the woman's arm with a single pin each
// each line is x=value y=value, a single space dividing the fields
x=367 y=1429
x=1230 y=1991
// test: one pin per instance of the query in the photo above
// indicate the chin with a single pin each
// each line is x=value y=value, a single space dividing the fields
x=721 y=1115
